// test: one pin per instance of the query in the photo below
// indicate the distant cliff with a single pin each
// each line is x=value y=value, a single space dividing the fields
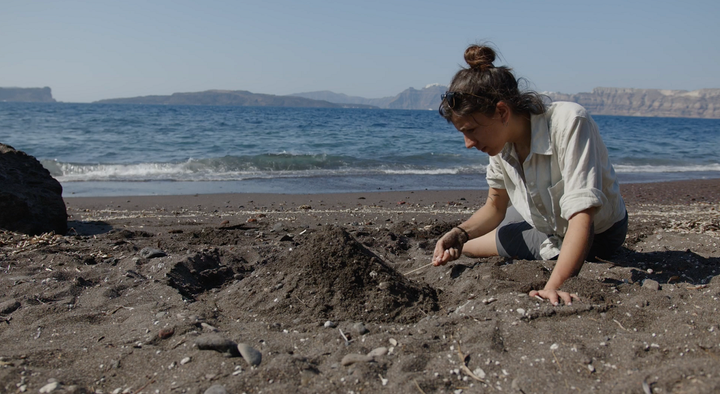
x=704 y=103
x=227 y=97
x=29 y=95
x=425 y=98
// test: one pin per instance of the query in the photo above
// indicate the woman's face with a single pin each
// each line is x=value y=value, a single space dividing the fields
x=481 y=132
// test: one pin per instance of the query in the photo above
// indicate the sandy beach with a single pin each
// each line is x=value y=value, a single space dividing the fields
x=333 y=293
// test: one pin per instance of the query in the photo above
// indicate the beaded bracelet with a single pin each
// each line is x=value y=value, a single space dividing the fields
x=467 y=236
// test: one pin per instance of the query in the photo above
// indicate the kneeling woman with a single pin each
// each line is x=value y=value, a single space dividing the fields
x=553 y=193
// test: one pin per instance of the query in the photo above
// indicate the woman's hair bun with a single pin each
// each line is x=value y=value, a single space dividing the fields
x=480 y=57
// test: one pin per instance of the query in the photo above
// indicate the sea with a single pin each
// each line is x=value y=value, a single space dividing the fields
x=130 y=150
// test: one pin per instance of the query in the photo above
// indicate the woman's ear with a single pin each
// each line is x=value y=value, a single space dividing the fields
x=503 y=111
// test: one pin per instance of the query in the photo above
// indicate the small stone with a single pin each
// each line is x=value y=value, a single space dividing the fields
x=521 y=311
x=650 y=271
x=554 y=346
x=166 y=332
x=185 y=360
x=49 y=388
x=208 y=328
x=150 y=253
x=377 y=352
x=330 y=324
x=217 y=343
x=591 y=368
x=353 y=358
x=216 y=389
x=651 y=284
x=360 y=329
x=393 y=341
x=479 y=373
x=252 y=356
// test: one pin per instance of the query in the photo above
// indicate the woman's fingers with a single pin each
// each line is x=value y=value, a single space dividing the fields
x=554 y=296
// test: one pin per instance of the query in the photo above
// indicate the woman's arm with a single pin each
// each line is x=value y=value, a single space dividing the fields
x=575 y=247
x=486 y=219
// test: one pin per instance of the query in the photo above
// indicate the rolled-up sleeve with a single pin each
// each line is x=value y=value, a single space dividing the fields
x=494 y=174
x=581 y=165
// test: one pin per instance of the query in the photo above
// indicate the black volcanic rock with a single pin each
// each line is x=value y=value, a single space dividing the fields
x=30 y=95
x=30 y=199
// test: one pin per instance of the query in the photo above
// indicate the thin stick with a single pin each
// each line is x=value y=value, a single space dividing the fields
x=621 y=326
x=418 y=386
x=418 y=269
x=465 y=368
x=604 y=261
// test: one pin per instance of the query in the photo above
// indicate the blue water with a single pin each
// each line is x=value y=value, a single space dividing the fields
x=103 y=149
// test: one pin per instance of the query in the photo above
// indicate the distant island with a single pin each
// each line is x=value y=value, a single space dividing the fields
x=231 y=98
x=27 y=95
x=703 y=103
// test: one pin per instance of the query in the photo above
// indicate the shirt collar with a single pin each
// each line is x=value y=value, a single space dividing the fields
x=540 y=139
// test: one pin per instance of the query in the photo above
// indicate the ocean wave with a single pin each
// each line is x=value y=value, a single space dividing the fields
x=622 y=168
x=233 y=168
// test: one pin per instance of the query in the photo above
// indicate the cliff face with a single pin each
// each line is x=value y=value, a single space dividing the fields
x=225 y=97
x=704 y=103
x=29 y=95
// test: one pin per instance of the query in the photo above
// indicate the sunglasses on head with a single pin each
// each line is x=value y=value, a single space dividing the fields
x=453 y=98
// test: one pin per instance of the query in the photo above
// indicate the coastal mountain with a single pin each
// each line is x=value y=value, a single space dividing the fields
x=27 y=95
x=704 y=103
x=425 y=98
x=340 y=98
x=230 y=98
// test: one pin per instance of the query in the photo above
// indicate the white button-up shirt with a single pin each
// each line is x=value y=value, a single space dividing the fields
x=567 y=171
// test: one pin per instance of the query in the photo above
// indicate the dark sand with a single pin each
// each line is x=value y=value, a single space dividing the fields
x=93 y=312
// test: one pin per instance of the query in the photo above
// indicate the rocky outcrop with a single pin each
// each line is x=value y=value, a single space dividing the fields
x=704 y=103
x=226 y=97
x=30 y=199
x=425 y=98
x=30 y=95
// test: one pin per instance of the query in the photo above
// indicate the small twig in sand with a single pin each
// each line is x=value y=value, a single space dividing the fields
x=465 y=368
x=347 y=341
x=418 y=386
x=418 y=269
x=301 y=301
x=621 y=326
x=604 y=261
x=145 y=385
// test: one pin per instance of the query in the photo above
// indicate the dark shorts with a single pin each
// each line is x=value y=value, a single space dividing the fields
x=517 y=239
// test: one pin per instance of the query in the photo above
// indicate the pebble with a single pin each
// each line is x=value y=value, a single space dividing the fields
x=353 y=358
x=252 y=356
x=377 y=352
x=166 y=332
x=49 y=388
x=216 y=389
x=217 y=343
x=9 y=307
x=150 y=253
x=330 y=324
x=651 y=284
x=393 y=341
x=521 y=311
x=208 y=328
x=360 y=329
x=479 y=373
x=185 y=360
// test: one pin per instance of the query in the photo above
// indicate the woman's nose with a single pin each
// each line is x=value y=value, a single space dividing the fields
x=469 y=143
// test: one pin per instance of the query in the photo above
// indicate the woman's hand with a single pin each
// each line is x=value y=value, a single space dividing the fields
x=554 y=296
x=449 y=247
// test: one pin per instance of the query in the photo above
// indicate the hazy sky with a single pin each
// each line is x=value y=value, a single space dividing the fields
x=91 y=50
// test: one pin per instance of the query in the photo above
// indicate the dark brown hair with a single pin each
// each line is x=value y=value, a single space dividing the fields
x=480 y=87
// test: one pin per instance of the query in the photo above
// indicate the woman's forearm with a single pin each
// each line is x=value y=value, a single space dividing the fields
x=574 y=249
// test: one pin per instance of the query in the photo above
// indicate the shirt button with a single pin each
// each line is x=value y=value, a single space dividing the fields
x=531 y=183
